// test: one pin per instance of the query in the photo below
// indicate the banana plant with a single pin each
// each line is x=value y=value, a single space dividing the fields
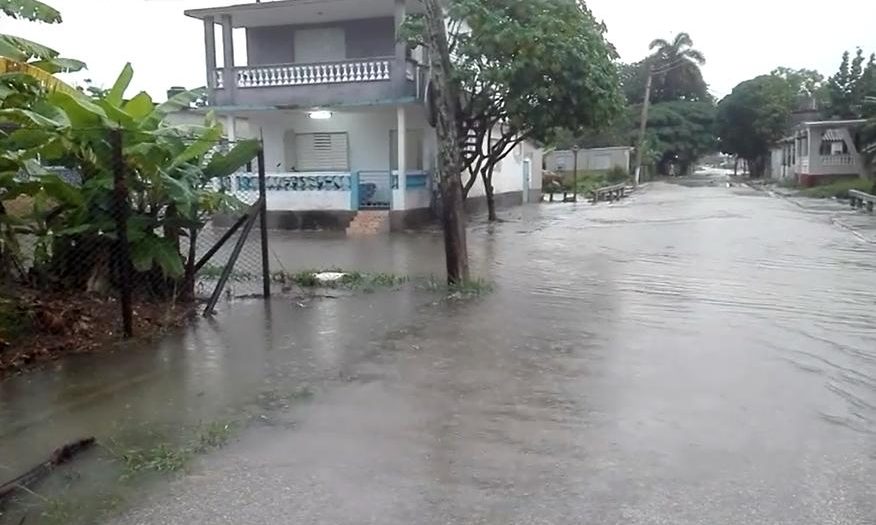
x=169 y=170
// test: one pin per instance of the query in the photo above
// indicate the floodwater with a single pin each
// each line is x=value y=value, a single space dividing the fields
x=695 y=354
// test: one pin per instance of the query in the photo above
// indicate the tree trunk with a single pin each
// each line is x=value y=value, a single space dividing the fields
x=487 y=179
x=449 y=154
x=736 y=166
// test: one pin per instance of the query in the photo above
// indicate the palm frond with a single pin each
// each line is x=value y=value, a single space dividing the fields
x=682 y=40
x=659 y=44
x=695 y=56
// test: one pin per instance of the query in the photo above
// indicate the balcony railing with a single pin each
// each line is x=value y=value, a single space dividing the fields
x=838 y=160
x=368 y=70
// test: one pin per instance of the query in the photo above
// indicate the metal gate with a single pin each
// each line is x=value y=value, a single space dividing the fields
x=375 y=190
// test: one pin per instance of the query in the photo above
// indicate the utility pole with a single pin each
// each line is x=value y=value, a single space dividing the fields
x=652 y=72
x=644 y=125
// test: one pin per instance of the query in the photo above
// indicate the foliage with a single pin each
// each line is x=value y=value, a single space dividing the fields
x=587 y=181
x=168 y=171
x=868 y=135
x=681 y=132
x=24 y=54
x=850 y=85
x=32 y=10
x=839 y=189
x=804 y=82
x=525 y=70
x=677 y=73
x=753 y=116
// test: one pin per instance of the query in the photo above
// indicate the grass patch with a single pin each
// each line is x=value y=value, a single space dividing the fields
x=466 y=289
x=588 y=181
x=167 y=457
x=309 y=278
x=213 y=436
x=350 y=280
x=839 y=189
x=162 y=457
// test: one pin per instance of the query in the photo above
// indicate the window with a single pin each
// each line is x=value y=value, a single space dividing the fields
x=322 y=152
x=413 y=150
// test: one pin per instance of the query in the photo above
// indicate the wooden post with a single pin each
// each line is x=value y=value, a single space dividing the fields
x=123 y=249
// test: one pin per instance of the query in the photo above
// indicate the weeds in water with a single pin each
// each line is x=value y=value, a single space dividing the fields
x=348 y=280
x=213 y=436
x=465 y=289
x=159 y=458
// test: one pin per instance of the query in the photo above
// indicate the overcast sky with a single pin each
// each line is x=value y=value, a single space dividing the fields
x=740 y=38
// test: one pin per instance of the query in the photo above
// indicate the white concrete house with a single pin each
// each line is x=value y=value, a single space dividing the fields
x=593 y=159
x=818 y=152
x=339 y=104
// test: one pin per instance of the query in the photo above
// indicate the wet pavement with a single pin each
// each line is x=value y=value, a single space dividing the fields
x=695 y=354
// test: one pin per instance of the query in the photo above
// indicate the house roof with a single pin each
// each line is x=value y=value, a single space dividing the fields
x=279 y=12
x=834 y=123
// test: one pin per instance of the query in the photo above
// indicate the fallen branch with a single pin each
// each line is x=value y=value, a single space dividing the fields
x=58 y=458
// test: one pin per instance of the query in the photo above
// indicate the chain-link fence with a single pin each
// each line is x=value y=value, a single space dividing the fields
x=126 y=239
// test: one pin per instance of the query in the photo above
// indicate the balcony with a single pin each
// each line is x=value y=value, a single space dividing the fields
x=276 y=75
x=843 y=159
x=302 y=54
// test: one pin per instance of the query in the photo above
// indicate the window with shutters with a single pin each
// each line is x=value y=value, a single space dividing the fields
x=322 y=152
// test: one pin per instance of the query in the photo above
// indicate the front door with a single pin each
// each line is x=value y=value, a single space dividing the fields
x=527 y=179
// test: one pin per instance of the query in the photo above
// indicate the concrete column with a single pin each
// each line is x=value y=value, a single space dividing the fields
x=230 y=129
x=229 y=78
x=814 y=150
x=398 y=76
x=210 y=47
x=402 y=155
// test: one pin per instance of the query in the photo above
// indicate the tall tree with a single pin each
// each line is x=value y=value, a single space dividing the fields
x=752 y=117
x=445 y=94
x=523 y=71
x=683 y=79
x=680 y=132
x=851 y=83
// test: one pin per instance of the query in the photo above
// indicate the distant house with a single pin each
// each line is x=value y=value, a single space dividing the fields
x=595 y=159
x=818 y=152
x=338 y=99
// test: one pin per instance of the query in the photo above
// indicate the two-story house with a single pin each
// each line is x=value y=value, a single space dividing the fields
x=339 y=103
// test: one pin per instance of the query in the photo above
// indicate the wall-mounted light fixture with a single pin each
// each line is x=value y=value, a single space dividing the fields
x=320 y=115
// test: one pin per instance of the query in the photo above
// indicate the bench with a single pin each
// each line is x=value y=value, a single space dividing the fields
x=609 y=193
x=859 y=199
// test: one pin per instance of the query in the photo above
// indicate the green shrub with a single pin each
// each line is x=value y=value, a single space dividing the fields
x=839 y=189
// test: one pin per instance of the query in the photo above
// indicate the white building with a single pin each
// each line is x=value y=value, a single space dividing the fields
x=593 y=159
x=327 y=86
x=818 y=152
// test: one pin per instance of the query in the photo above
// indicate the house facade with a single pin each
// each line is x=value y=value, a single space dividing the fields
x=339 y=104
x=818 y=152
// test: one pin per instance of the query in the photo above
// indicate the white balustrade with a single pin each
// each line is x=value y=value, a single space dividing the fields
x=837 y=160
x=219 y=78
x=308 y=74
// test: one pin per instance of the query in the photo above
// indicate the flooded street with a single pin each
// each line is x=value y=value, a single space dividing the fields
x=695 y=354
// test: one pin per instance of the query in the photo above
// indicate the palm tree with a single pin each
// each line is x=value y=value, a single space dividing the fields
x=680 y=49
x=681 y=64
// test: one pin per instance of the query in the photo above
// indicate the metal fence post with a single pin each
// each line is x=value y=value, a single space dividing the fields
x=263 y=224
x=121 y=212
